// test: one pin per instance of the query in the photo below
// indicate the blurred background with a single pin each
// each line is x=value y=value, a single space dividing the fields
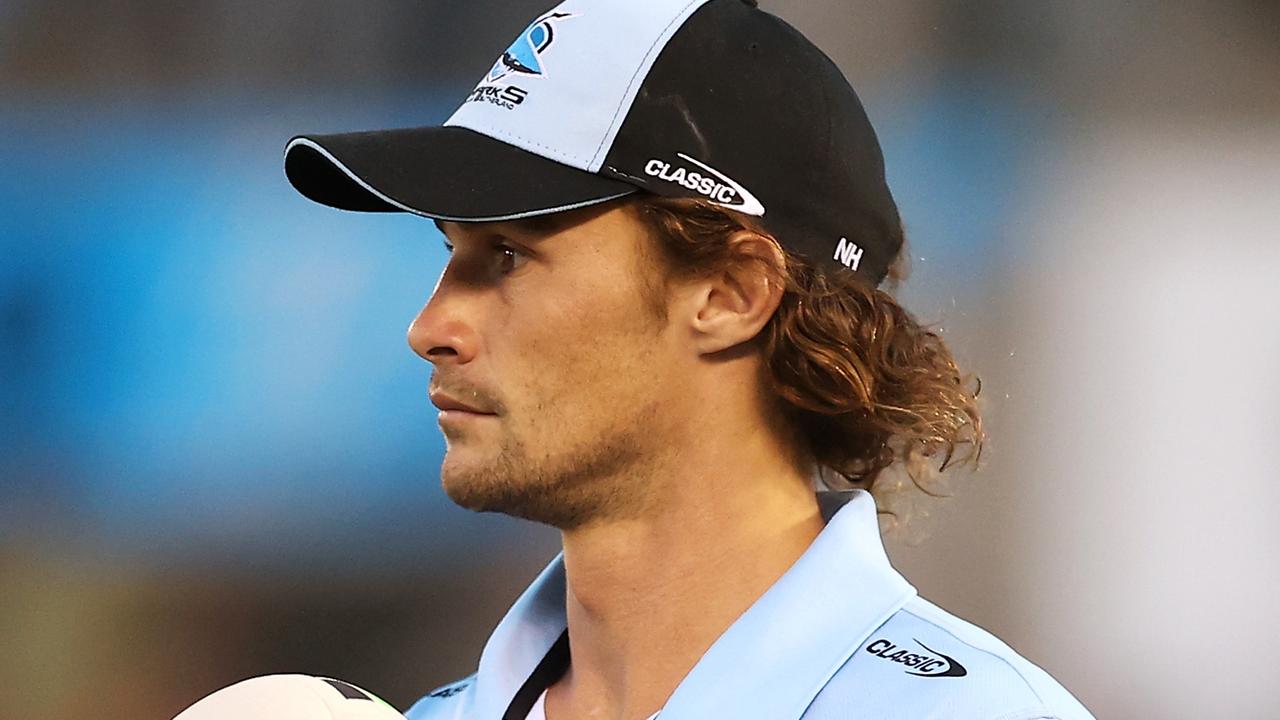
x=217 y=457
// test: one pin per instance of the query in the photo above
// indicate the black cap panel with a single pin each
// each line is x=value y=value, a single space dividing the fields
x=448 y=173
x=740 y=99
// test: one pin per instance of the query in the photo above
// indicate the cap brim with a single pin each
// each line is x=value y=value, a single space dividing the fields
x=446 y=173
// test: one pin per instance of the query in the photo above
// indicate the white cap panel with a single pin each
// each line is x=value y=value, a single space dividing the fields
x=563 y=88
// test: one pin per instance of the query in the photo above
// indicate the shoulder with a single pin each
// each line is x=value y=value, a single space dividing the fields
x=926 y=662
x=448 y=702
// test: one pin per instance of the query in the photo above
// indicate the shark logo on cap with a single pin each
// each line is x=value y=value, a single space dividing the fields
x=522 y=57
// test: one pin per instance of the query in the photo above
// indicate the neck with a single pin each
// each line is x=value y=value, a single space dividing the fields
x=647 y=596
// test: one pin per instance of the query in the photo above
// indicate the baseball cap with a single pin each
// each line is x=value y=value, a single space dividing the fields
x=599 y=99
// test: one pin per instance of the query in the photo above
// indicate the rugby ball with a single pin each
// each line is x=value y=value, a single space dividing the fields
x=290 y=697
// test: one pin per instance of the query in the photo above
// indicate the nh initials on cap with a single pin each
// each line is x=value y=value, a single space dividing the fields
x=849 y=254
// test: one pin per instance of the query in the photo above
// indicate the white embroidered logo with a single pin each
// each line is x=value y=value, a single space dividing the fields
x=714 y=185
x=849 y=254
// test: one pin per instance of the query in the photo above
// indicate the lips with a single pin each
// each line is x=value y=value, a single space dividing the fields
x=450 y=403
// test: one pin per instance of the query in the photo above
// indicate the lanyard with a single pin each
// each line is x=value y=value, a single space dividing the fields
x=553 y=665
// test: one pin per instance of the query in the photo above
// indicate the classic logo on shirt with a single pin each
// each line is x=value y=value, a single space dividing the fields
x=450 y=690
x=928 y=664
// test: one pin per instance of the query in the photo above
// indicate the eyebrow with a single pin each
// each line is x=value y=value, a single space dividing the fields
x=536 y=225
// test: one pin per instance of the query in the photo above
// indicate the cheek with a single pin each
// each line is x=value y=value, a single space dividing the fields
x=582 y=358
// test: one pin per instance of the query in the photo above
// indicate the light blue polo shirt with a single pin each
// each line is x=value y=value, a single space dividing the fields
x=840 y=636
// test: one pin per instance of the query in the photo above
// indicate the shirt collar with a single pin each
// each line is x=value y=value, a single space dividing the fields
x=790 y=641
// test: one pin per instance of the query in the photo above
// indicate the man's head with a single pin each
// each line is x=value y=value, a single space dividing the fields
x=667 y=217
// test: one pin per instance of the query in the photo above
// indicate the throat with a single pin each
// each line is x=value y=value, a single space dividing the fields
x=645 y=599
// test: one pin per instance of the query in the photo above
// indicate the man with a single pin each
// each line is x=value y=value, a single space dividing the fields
x=659 y=325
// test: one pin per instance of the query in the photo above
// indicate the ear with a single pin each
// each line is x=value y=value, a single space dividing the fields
x=732 y=307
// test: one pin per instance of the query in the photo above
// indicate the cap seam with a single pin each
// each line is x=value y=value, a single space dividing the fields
x=826 y=112
x=644 y=62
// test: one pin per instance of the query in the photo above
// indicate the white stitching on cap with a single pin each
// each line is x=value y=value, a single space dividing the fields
x=437 y=216
x=550 y=153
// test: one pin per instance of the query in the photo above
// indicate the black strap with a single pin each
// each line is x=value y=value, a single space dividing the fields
x=553 y=666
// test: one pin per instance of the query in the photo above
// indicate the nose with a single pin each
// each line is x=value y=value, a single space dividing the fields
x=441 y=332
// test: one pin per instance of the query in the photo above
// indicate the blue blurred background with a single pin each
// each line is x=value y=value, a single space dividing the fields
x=217 y=458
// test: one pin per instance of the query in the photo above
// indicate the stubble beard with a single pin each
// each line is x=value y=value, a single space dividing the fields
x=601 y=478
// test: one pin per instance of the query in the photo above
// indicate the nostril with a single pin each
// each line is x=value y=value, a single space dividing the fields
x=440 y=352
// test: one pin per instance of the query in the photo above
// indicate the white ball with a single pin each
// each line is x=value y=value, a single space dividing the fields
x=290 y=697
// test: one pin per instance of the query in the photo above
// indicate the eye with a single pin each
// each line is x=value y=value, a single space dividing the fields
x=509 y=258
x=494 y=257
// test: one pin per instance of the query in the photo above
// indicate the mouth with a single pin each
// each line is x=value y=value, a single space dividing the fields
x=453 y=407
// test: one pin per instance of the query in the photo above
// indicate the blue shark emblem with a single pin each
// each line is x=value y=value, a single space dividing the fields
x=522 y=56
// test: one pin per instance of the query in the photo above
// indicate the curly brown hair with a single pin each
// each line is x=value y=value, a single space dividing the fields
x=862 y=385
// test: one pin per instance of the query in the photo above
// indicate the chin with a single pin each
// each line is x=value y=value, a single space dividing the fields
x=478 y=483
x=521 y=495
x=460 y=479
x=563 y=488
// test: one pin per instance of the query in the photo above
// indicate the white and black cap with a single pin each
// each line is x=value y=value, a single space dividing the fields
x=598 y=99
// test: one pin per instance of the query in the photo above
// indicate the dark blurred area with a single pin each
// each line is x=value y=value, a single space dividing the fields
x=217 y=457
